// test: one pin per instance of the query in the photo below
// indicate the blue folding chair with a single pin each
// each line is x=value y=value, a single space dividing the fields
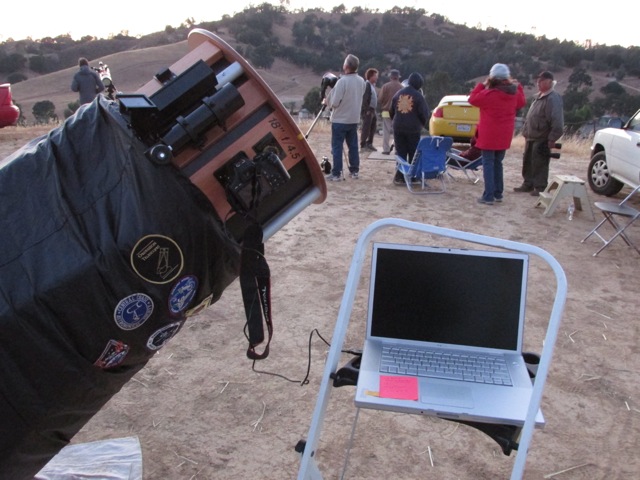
x=429 y=163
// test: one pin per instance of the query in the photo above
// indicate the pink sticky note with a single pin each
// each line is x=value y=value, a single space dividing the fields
x=401 y=388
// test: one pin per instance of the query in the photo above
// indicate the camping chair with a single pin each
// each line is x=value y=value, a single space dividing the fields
x=429 y=163
x=610 y=210
x=469 y=167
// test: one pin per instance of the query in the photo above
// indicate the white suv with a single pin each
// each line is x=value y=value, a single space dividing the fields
x=615 y=158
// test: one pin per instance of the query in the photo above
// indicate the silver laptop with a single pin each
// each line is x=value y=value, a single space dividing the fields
x=444 y=334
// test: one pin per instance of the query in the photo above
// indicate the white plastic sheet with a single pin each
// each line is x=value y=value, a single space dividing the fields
x=117 y=459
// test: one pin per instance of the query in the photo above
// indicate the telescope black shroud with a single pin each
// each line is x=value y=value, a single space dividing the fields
x=103 y=256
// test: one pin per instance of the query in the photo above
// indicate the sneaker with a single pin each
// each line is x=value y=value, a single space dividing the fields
x=354 y=175
x=535 y=192
x=498 y=200
x=371 y=148
x=387 y=153
x=398 y=180
x=485 y=202
x=523 y=189
x=333 y=178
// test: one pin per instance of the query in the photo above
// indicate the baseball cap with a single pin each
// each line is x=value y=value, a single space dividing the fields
x=546 y=74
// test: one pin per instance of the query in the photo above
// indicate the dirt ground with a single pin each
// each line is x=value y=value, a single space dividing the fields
x=201 y=412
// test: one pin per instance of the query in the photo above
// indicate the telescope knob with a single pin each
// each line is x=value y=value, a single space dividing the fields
x=160 y=154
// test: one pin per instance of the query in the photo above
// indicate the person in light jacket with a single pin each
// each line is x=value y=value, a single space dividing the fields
x=345 y=102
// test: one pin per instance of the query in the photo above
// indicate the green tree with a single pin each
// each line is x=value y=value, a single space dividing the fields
x=12 y=63
x=261 y=56
x=71 y=108
x=16 y=77
x=44 y=111
x=437 y=86
x=613 y=88
x=43 y=64
x=579 y=78
x=312 y=101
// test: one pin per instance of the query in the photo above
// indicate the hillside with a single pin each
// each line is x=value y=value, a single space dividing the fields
x=134 y=68
x=290 y=82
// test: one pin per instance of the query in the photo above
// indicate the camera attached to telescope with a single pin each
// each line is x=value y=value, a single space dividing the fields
x=248 y=181
x=178 y=116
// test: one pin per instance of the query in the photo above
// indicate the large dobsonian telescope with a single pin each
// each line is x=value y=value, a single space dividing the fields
x=125 y=221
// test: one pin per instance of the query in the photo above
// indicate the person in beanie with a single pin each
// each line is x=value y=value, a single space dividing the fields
x=345 y=102
x=86 y=82
x=543 y=126
x=499 y=97
x=409 y=113
x=387 y=92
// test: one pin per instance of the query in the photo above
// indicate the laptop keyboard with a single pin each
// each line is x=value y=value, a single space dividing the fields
x=476 y=368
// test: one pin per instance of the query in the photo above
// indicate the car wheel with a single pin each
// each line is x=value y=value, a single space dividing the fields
x=600 y=180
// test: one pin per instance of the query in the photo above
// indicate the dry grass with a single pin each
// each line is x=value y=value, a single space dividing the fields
x=12 y=138
x=571 y=145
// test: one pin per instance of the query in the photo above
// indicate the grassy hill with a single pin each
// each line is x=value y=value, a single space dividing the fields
x=132 y=68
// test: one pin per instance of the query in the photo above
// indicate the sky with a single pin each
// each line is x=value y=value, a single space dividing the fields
x=574 y=21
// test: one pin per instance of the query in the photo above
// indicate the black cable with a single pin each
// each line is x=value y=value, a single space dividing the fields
x=304 y=381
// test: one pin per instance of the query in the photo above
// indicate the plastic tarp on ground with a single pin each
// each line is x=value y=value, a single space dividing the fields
x=103 y=256
x=117 y=459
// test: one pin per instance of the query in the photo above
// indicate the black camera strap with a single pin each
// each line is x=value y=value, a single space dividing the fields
x=255 y=283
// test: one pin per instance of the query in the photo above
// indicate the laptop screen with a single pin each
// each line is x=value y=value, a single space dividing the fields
x=448 y=296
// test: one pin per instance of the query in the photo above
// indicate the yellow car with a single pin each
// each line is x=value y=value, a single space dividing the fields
x=454 y=117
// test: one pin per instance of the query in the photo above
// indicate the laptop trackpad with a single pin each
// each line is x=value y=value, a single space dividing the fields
x=451 y=395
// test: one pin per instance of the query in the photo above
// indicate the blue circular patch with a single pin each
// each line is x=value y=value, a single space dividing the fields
x=182 y=294
x=160 y=337
x=133 y=311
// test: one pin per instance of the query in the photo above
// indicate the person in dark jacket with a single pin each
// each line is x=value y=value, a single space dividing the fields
x=499 y=97
x=368 y=111
x=86 y=82
x=543 y=126
x=409 y=114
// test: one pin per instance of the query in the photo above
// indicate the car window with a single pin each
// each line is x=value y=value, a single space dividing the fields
x=634 y=124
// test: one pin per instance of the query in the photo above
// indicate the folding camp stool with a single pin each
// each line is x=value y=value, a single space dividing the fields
x=610 y=210
x=565 y=186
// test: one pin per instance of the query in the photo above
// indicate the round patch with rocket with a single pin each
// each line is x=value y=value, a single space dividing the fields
x=182 y=294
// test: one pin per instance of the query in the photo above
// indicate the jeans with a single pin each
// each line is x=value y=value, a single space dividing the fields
x=493 y=174
x=341 y=133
